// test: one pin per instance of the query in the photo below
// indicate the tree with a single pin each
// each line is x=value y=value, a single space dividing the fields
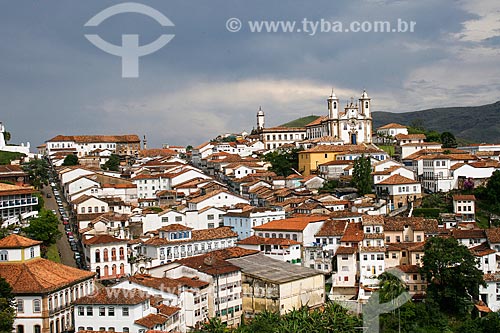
x=490 y=194
x=7 y=313
x=38 y=172
x=71 y=159
x=189 y=148
x=283 y=162
x=329 y=186
x=448 y=140
x=454 y=279
x=113 y=163
x=361 y=175
x=6 y=136
x=44 y=228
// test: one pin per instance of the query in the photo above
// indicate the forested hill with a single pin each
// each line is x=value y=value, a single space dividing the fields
x=480 y=124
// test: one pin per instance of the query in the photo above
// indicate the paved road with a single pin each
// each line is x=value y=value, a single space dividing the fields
x=67 y=255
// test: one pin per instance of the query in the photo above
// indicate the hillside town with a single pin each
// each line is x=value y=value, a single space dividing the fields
x=274 y=219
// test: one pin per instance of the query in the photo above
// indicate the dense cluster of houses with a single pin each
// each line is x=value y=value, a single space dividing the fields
x=182 y=236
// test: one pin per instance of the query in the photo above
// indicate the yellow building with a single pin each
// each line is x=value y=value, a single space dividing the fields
x=309 y=160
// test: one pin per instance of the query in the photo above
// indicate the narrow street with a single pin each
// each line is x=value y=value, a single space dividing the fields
x=67 y=255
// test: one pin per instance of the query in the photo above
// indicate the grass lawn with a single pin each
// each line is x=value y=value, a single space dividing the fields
x=388 y=149
x=7 y=156
x=53 y=253
x=482 y=219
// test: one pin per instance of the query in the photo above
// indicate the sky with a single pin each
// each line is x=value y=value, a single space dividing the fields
x=208 y=80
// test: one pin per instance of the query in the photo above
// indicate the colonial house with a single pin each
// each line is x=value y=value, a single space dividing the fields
x=224 y=278
x=299 y=228
x=243 y=222
x=400 y=190
x=391 y=130
x=44 y=291
x=188 y=295
x=176 y=241
x=120 y=310
x=218 y=198
x=107 y=256
x=83 y=145
x=16 y=201
x=464 y=207
x=277 y=248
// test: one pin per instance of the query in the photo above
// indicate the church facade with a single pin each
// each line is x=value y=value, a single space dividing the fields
x=353 y=125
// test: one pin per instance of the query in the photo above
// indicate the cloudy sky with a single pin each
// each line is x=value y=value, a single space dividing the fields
x=209 y=80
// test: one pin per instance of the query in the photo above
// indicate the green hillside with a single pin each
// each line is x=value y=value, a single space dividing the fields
x=6 y=157
x=472 y=123
x=301 y=122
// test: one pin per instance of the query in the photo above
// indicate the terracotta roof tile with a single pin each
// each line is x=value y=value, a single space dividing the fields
x=493 y=235
x=332 y=228
x=103 y=239
x=470 y=197
x=353 y=233
x=298 y=223
x=202 y=234
x=392 y=125
x=256 y=240
x=36 y=276
x=151 y=320
x=346 y=250
x=114 y=296
x=465 y=234
x=15 y=241
x=128 y=138
x=396 y=180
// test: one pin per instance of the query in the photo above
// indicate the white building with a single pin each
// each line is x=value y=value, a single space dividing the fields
x=176 y=241
x=275 y=137
x=464 y=206
x=225 y=291
x=217 y=198
x=83 y=145
x=44 y=291
x=392 y=129
x=277 y=248
x=188 y=295
x=300 y=228
x=22 y=148
x=14 y=202
x=491 y=294
x=243 y=222
x=107 y=256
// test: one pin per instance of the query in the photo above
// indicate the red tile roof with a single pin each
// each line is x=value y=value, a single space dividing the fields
x=465 y=234
x=128 y=138
x=353 y=233
x=103 y=239
x=114 y=296
x=175 y=227
x=392 y=125
x=151 y=320
x=298 y=223
x=493 y=235
x=38 y=276
x=256 y=240
x=470 y=197
x=396 y=180
x=203 y=234
x=346 y=250
x=332 y=228
x=15 y=241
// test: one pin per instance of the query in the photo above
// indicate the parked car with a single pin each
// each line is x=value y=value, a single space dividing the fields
x=67 y=228
x=65 y=222
x=77 y=255
x=74 y=247
x=17 y=230
x=54 y=211
x=48 y=195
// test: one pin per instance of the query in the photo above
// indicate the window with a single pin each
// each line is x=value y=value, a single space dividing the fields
x=81 y=311
x=20 y=306
x=125 y=311
x=125 y=330
x=4 y=255
x=210 y=217
x=178 y=219
x=111 y=311
x=20 y=329
x=90 y=311
x=37 y=329
x=36 y=306
x=32 y=252
x=102 y=311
